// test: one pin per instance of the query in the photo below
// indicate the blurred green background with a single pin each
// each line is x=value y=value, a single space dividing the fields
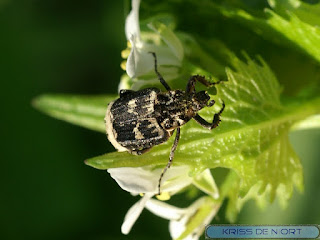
x=48 y=192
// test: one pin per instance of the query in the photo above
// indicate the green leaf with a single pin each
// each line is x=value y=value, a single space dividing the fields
x=124 y=159
x=309 y=13
x=85 y=111
x=200 y=61
x=252 y=138
x=288 y=31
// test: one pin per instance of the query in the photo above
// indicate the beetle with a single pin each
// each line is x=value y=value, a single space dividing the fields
x=139 y=120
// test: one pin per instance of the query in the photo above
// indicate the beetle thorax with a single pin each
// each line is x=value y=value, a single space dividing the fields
x=176 y=108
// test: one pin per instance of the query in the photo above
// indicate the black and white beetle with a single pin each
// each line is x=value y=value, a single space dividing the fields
x=139 y=120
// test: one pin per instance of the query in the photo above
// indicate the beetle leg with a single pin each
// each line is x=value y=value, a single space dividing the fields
x=215 y=121
x=173 y=148
x=192 y=83
x=161 y=79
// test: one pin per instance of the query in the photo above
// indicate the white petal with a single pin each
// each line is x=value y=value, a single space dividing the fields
x=175 y=171
x=176 y=178
x=206 y=183
x=164 y=210
x=132 y=27
x=140 y=61
x=131 y=60
x=169 y=38
x=144 y=180
x=135 y=180
x=177 y=227
x=133 y=214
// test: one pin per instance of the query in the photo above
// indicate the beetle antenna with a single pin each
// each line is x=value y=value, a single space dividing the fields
x=161 y=79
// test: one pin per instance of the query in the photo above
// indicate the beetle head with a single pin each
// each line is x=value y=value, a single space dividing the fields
x=201 y=99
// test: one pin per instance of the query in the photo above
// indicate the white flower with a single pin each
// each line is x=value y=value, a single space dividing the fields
x=145 y=180
x=169 y=51
x=140 y=66
x=201 y=212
